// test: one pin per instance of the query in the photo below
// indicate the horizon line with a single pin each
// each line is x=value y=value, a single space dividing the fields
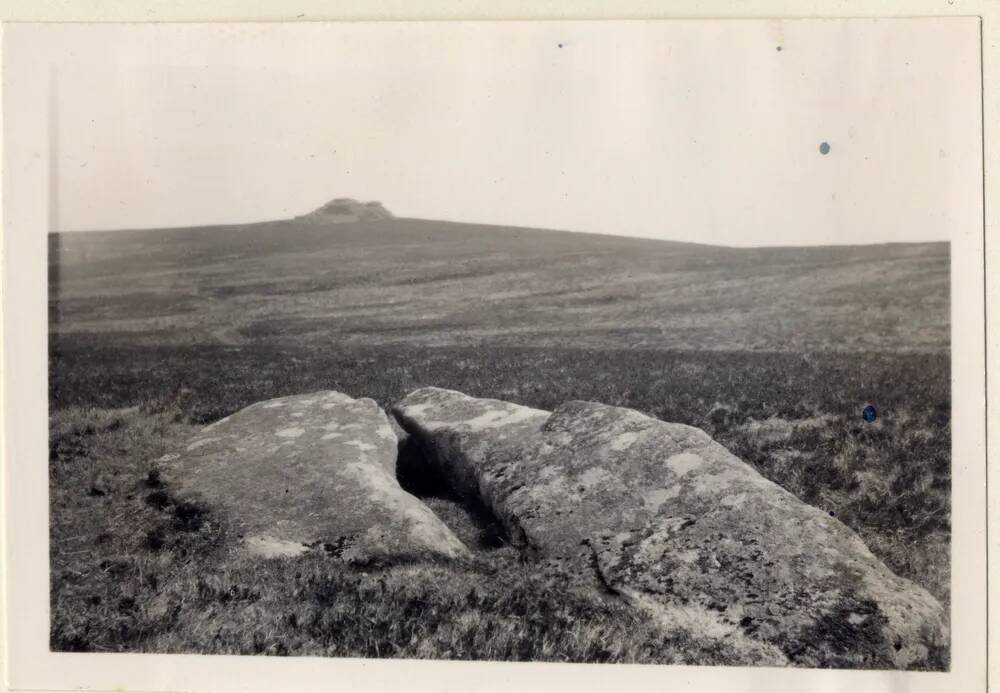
x=481 y=223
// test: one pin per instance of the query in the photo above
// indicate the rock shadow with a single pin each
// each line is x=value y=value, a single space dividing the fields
x=418 y=474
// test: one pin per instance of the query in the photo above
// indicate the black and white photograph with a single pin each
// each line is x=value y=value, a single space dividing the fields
x=609 y=342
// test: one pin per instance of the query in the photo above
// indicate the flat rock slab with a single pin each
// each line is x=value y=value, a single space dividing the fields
x=314 y=470
x=675 y=523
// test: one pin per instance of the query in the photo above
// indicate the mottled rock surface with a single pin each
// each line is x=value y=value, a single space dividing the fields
x=676 y=524
x=314 y=470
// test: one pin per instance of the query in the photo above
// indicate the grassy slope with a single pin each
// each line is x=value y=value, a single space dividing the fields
x=411 y=281
x=774 y=352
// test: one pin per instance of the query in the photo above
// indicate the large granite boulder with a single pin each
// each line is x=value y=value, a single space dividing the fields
x=676 y=524
x=310 y=471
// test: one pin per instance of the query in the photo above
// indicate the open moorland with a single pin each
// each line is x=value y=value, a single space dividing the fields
x=772 y=351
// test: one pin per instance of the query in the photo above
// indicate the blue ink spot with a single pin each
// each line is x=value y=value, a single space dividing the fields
x=824 y=148
x=869 y=414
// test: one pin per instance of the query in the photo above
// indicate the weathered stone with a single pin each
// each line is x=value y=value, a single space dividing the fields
x=679 y=526
x=314 y=470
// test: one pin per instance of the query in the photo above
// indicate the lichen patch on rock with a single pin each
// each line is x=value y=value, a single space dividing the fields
x=683 y=463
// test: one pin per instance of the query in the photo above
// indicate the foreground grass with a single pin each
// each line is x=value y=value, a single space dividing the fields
x=132 y=568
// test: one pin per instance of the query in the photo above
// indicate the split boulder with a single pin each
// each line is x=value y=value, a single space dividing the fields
x=680 y=527
x=310 y=471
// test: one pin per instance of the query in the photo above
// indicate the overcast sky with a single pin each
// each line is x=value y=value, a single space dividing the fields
x=702 y=131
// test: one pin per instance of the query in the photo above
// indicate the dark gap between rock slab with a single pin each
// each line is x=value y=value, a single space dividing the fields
x=468 y=518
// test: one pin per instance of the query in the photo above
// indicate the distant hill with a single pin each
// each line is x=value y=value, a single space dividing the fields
x=349 y=273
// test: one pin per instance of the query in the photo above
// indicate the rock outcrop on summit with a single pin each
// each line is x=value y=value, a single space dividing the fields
x=310 y=471
x=680 y=527
x=345 y=210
